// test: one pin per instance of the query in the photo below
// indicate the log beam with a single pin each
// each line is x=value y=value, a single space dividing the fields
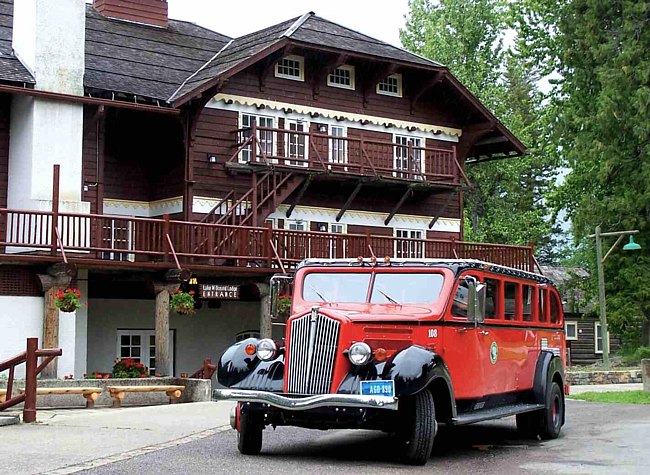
x=163 y=291
x=299 y=196
x=405 y=196
x=348 y=203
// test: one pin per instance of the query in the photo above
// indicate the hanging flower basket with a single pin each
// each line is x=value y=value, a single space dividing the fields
x=68 y=300
x=182 y=302
x=284 y=306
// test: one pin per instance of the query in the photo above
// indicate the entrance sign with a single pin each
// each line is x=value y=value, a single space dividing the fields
x=218 y=291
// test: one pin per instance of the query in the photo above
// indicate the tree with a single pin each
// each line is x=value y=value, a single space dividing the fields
x=507 y=203
x=603 y=130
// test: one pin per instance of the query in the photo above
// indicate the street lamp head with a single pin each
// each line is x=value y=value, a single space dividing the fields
x=631 y=246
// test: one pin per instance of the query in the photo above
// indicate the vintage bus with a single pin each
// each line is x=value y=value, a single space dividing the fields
x=403 y=346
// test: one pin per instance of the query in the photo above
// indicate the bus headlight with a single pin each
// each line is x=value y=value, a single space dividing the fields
x=359 y=353
x=266 y=349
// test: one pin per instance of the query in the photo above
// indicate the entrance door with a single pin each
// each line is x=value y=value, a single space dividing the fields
x=463 y=352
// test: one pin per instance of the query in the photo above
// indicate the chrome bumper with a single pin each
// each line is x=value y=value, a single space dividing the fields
x=306 y=402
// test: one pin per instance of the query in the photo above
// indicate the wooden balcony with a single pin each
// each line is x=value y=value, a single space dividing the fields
x=102 y=240
x=311 y=152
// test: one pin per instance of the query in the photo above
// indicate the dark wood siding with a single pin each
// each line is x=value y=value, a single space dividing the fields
x=144 y=156
x=5 y=107
x=583 y=350
x=19 y=281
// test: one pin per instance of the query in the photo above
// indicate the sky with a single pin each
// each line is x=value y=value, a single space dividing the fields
x=380 y=19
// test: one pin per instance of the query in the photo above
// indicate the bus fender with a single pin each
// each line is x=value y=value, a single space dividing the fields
x=236 y=369
x=416 y=368
x=548 y=367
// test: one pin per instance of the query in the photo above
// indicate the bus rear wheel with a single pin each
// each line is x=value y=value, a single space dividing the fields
x=553 y=417
x=419 y=427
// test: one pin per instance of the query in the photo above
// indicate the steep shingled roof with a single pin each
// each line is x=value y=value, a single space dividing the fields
x=11 y=69
x=143 y=60
x=308 y=29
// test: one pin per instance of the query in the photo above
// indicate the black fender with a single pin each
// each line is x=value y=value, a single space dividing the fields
x=548 y=367
x=236 y=369
x=413 y=369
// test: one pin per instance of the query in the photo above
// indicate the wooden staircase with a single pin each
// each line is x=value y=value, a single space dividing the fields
x=268 y=190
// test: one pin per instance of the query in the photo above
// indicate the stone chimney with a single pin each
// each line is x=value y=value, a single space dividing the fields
x=148 y=12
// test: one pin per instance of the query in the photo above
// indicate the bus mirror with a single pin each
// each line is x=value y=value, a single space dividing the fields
x=475 y=300
x=281 y=288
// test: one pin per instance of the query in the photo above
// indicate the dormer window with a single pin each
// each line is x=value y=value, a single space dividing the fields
x=342 y=77
x=391 y=86
x=291 y=67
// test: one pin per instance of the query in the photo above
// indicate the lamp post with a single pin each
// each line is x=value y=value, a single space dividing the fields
x=600 y=260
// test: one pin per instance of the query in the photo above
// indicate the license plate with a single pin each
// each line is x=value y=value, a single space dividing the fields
x=378 y=388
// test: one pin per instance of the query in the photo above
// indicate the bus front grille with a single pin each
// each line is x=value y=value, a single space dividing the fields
x=312 y=350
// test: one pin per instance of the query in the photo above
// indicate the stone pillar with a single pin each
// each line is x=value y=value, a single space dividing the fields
x=645 y=372
x=162 y=326
x=266 y=326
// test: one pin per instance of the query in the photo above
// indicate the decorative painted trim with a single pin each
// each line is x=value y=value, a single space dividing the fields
x=382 y=124
x=144 y=209
x=203 y=205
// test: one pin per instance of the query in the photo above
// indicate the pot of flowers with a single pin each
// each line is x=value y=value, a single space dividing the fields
x=129 y=368
x=182 y=302
x=68 y=300
x=284 y=306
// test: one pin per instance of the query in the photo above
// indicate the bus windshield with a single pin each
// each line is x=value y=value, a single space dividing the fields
x=388 y=288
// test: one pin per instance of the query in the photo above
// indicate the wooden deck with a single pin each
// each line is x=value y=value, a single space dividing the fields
x=164 y=243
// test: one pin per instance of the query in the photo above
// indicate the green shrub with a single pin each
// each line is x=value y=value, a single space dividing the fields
x=641 y=353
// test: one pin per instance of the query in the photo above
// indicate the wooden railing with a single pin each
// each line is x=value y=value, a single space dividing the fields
x=130 y=239
x=348 y=155
x=32 y=370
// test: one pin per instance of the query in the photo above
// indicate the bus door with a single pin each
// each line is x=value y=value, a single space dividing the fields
x=463 y=351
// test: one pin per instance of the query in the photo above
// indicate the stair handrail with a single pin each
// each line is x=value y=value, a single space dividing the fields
x=223 y=201
x=32 y=370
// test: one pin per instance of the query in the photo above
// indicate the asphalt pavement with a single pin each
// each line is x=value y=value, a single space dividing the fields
x=196 y=438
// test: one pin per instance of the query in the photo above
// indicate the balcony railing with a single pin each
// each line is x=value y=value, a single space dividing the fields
x=409 y=159
x=131 y=241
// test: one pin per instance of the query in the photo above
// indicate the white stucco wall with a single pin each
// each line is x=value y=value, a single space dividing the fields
x=48 y=36
x=21 y=318
x=207 y=333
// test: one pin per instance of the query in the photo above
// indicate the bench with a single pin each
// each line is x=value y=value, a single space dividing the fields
x=117 y=392
x=89 y=393
x=3 y=395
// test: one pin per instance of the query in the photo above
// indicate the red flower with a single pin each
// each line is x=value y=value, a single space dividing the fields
x=106 y=376
x=59 y=294
x=139 y=365
x=143 y=375
x=191 y=292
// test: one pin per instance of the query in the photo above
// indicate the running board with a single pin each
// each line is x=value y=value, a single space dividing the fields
x=494 y=413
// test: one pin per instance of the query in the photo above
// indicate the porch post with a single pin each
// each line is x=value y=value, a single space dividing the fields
x=57 y=279
x=162 y=326
x=266 y=327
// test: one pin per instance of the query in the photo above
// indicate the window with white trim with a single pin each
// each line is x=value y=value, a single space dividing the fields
x=141 y=346
x=296 y=224
x=571 y=329
x=405 y=245
x=598 y=338
x=338 y=146
x=337 y=243
x=291 y=67
x=390 y=86
x=265 y=138
x=297 y=143
x=408 y=157
x=342 y=77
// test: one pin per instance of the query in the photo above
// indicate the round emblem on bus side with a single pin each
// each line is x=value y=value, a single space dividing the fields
x=494 y=352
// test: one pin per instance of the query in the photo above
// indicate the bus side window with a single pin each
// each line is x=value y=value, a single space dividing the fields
x=527 y=295
x=510 y=300
x=492 y=298
x=556 y=308
x=541 y=305
x=459 y=306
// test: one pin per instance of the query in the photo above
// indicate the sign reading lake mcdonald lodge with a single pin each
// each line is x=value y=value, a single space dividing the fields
x=219 y=291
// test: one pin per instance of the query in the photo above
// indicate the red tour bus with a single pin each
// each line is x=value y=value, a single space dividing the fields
x=403 y=346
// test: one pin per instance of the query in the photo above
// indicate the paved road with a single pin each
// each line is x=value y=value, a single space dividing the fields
x=598 y=438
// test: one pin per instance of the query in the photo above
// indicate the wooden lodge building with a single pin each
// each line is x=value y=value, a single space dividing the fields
x=133 y=145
